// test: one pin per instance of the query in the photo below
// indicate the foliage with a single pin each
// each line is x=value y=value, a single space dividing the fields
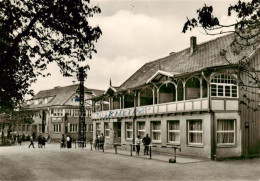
x=246 y=32
x=36 y=33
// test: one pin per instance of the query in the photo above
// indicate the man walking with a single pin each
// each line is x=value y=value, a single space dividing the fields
x=32 y=144
x=101 y=141
x=146 y=142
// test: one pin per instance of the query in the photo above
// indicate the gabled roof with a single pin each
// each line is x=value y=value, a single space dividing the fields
x=60 y=95
x=207 y=55
x=163 y=73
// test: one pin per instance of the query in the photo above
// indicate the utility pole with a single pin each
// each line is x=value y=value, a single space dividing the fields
x=133 y=124
x=81 y=76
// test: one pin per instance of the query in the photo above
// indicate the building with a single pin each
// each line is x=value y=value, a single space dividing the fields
x=57 y=110
x=190 y=99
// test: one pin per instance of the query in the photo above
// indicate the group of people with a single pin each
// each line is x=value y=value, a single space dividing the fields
x=99 y=142
x=41 y=141
x=68 y=140
x=146 y=142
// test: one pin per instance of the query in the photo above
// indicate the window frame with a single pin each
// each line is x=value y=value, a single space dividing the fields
x=156 y=131
x=227 y=131
x=129 y=130
x=140 y=130
x=98 y=128
x=73 y=128
x=195 y=131
x=107 y=129
x=173 y=131
x=58 y=127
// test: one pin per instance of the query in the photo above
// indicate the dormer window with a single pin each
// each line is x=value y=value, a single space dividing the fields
x=224 y=86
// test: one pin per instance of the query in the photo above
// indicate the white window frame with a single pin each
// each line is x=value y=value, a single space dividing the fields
x=174 y=131
x=195 y=131
x=227 y=131
x=90 y=127
x=140 y=130
x=73 y=128
x=156 y=131
x=98 y=128
x=107 y=130
x=228 y=79
x=129 y=130
x=58 y=112
x=56 y=128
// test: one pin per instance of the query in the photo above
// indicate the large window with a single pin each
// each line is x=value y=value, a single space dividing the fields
x=98 y=128
x=174 y=132
x=224 y=86
x=226 y=132
x=156 y=130
x=56 y=128
x=73 y=128
x=141 y=129
x=57 y=112
x=195 y=133
x=72 y=112
x=107 y=130
x=128 y=130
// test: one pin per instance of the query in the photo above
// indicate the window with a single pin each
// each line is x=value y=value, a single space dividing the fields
x=141 y=129
x=40 y=128
x=156 y=130
x=88 y=112
x=73 y=128
x=56 y=128
x=224 y=86
x=226 y=132
x=174 y=131
x=58 y=112
x=28 y=127
x=23 y=127
x=72 y=112
x=195 y=132
x=86 y=128
x=128 y=130
x=91 y=127
x=107 y=130
x=98 y=128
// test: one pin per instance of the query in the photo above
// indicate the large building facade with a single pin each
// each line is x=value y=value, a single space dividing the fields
x=190 y=99
x=56 y=112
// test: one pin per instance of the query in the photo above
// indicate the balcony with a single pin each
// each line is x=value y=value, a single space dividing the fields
x=165 y=108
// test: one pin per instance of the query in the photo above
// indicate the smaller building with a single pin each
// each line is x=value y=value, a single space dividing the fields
x=56 y=112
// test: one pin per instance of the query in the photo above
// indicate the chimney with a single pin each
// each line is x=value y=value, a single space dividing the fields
x=193 y=44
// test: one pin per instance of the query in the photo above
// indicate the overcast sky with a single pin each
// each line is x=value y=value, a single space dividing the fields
x=136 y=32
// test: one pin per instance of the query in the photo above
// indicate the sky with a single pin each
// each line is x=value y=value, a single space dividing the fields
x=134 y=33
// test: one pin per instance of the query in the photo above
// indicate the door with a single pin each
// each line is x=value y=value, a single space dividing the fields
x=117 y=132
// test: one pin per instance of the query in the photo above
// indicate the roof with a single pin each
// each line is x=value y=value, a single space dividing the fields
x=207 y=55
x=59 y=95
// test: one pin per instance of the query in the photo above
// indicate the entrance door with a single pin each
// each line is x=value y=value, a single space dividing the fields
x=117 y=132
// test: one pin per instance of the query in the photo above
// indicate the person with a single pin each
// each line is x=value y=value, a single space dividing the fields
x=96 y=142
x=146 y=142
x=43 y=140
x=101 y=141
x=39 y=141
x=32 y=144
x=19 y=139
x=138 y=142
x=63 y=142
x=68 y=142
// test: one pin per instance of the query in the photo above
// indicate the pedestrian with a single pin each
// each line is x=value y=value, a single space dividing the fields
x=68 y=141
x=43 y=141
x=97 y=142
x=39 y=141
x=138 y=142
x=101 y=141
x=19 y=138
x=62 y=142
x=146 y=142
x=32 y=144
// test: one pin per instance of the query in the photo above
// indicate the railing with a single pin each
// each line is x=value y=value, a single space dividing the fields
x=170 y=107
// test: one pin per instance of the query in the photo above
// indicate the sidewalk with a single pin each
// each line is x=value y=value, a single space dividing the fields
x=155 y=155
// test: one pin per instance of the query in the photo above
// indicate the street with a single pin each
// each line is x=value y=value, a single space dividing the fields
x=52 y=163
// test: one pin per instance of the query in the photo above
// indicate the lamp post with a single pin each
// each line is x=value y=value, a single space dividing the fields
x=134 y=118
x=81 y=76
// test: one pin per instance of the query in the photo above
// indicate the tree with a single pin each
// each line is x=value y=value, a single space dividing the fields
x=36 y=33
x=246 y=32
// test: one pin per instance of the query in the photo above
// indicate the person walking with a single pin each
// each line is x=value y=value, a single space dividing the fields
x=101 y=141
x=96 y=142
x=138 y=142
x=39 y=141
x=68 y=141
x=43 y=141
x=31 y=144
x=62 y=142
x=146 y=142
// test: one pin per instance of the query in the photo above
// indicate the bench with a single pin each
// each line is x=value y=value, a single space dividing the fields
x=172 y=160
x=116 y=145
x=81 y=144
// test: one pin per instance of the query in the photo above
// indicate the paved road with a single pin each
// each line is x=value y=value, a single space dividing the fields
x=21 y=163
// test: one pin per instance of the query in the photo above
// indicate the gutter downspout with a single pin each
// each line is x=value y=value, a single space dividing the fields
x=213 y=126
